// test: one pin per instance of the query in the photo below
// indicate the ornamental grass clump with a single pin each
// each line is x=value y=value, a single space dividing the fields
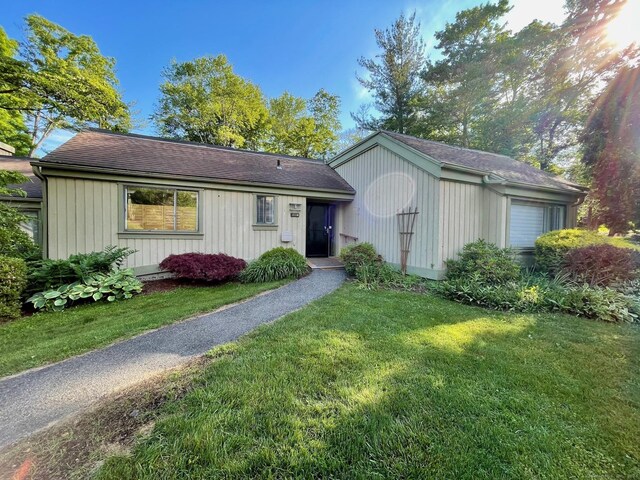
x=275 y=264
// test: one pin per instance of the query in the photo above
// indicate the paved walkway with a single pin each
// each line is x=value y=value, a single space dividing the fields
x=38 y=398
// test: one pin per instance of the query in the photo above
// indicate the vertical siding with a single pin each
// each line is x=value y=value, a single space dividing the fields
x=386 y=183
x=83 y=217
x=461 y=216
x=494 y=224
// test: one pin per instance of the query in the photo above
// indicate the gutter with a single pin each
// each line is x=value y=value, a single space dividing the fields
x=133 y=173
x=493 y=181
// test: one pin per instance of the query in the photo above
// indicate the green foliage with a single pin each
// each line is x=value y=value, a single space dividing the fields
x=48 y=274
x=376 y=275
x=13 y=280
x=13 y=130
x=611 y=153
x=358 y=255
x=61 y=80
x=203 y=100
x=112 y=286
x=486 y=263
x=536 y=295
x=303 y=128
x=15 y=242
x=393 y=76
x=275 y=264
x=552 y=247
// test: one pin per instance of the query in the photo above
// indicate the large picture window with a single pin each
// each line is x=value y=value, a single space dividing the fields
x=265 y=210
x=161 y=210
x=529 y=221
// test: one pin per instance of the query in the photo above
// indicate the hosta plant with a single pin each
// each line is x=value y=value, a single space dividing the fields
x=116 y=285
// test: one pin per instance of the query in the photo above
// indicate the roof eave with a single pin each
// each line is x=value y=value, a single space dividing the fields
x=130 y=173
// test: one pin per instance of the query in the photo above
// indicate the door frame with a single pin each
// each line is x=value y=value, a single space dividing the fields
x=329 y=227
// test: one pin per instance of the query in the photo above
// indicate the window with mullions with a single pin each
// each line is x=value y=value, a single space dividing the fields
x=161 y=210
x=265 y=210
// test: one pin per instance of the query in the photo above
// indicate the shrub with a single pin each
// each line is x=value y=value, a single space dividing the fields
x=203 y=266
x=601 y=265
x=112 y=286
x=47 y=274
x=13 y=280
x=14 y=242
x=276 y=264
x=487 y=263
x=358 y=255
x=552 y=247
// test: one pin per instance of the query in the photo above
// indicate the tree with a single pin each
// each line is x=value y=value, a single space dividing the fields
x=304 y=128
x=14 y=242
x=393 y=76
x=61 y=80
x=203 y=100
x=583 y=60
x=611 y=153
x=460 y=85
x=13 y=130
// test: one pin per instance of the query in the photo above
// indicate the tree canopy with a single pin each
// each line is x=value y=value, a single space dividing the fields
x=59 y=80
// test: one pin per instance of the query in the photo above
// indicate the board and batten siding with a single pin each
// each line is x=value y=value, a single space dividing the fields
x=461 y=216
x=386 y=183
x=83 y=217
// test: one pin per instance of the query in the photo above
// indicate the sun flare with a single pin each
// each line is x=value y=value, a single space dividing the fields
x=624 y=29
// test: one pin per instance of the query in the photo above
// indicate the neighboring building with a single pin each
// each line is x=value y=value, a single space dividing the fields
x=6 y=150
x=31 y=204
x=162 y=196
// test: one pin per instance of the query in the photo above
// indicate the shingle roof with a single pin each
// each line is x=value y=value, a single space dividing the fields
x=490 y=163
x=142 y=154
x=33 y=187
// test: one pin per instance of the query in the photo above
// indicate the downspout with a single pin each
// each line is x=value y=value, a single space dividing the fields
x=43 y=211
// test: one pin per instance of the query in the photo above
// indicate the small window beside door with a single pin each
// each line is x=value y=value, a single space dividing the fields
x=265 y=210
x=528 y=221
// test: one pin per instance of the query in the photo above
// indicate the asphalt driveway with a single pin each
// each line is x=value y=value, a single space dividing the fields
x=35 y=399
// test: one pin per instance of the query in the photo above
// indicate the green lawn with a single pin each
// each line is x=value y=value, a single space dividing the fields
x=49 y=337
x=399 y=385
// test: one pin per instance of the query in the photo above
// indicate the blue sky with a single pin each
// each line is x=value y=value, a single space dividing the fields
x=298 y=46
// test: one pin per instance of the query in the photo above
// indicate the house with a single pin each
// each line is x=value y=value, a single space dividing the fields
x=31 y=204
x=162 y=196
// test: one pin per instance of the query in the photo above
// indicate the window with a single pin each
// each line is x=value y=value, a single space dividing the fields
x=161 y=210
x=529 y=221
x=265 y=210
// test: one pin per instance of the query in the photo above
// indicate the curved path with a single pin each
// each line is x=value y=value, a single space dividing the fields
x=38 y=398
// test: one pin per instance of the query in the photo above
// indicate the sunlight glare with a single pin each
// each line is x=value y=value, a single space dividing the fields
x=624 y=29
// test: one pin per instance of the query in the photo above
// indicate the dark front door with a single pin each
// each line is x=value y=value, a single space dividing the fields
x=319 y=229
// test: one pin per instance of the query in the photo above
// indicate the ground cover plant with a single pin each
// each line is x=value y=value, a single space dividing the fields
x=276 y=264
x=388 y=384
x=51 y=336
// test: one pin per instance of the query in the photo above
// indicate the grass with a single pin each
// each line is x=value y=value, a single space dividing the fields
x=48 y=337
x=383 y=384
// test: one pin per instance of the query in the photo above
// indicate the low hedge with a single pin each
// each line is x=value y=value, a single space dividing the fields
x=275 y=264
x=13 y=280
x=552 y=247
